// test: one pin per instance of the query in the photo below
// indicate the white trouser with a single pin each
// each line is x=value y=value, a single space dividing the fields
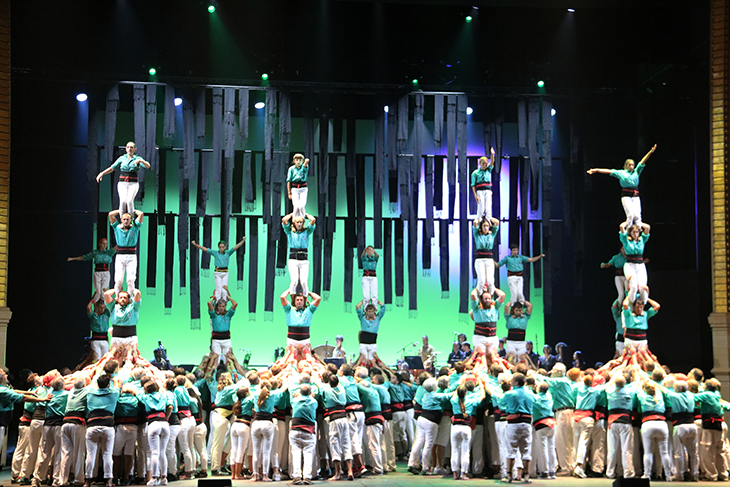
x=484 y=343
x=99 y=437
x=620 y=441
x=581 y=434
x=357 y=429
x=685 y=449
x=368 y=350
x=101 y=284
x=564 y=439
x=220 y=279
x=484 y=205
x=240 y=436
x=400 y=418
x=656 y=432
x=50 y=452
x=370 y=290
x=545 y=442
x=388 y=446
x=143 y=465
x=125 y=437
x=636 y=277
x=185 y=440
x=323 y=438
x=620 y=282
x=20 y=448
x=425 y=438
x=200 y=433
x=632 y=208
x=519 y=436
x=460 y=441
x=518 y=347
x=158 y=435
x=73 y=449
x=221 y=347
x=220 y=426
x=31 y=452
x=280 y=449
x=99 y=348
x=711 y=446
x=620 y=346
x=485 y=274
x=410 y=426
x=493 y=443
x=299 y=273
x=127 y=191
x=302 y=446
x=262 y=437
x=128 y=263
x=476 y=447
x=339 y=437
x=598 y=446
x=500 y=427
x=299 y=201
x=516 y=291
x=374 y=436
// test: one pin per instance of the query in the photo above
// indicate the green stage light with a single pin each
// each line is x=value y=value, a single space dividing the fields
x=468 y=19
x=415 y=81
x=540 y=84
x=153 y=71
x=211 y=9
x=264 y=76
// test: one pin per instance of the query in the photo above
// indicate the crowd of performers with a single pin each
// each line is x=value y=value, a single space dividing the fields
x=306 y=419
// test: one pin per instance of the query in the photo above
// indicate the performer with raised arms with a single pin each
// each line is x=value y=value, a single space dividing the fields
x=484 y=232
x=221 y=258
x=98 y=316
x=124 y=318
x=369 y=280
x=298 y=233
x=515 y=268
x=634 y=238
x=126 y=234
x=618 y=261
x=220 y=324
x=485 y=313
x=128 y=184
x=369 y=326
x=298 y=321
x=102 y=258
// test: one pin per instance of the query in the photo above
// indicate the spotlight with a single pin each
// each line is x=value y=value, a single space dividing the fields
x=81 y=97
x=571 y=10
x=259 y=105
x=178 y=101
x=153 y=71
x=211 y=9
x=385 y=108
x=553 y=112
x=414 y=81
x=469 y=110
x=468 y=19
x=540 y=84
x=264 y=76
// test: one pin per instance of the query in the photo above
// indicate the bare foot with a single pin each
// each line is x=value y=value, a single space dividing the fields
x=464 y=477
x=456 y=476
x=266 y=478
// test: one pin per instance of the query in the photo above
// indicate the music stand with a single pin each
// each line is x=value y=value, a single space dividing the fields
x=414 y=362
x=339 y=361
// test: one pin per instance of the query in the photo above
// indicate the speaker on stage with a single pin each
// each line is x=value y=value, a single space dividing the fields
x=635 y=482
x=214 y=482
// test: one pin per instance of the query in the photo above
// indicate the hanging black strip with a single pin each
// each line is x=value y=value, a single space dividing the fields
x=284 y=120
x=332 y=194
x=404 y=164
x=444 y=257
x=398 y=222
x=277 y=178
x=309 y=143
x=451 y=150
x=249 y=180
x=387 y=257
x=547 y=190
x=415 y=176
x=200 y=113
x=169 y=125
x=229 y=120
x=92 y=157
x=316 y=260
x=472 y=164
x=190 y=166
x=536 y=250
x=337 y=133
x=112 y=105
x=183 y=221
x=102 y=226
x=392 y=159
x=438 y=120
x=349 y=258
x=161 y=185
x=350 y=178
x=169 y=258
x=378 y=180
x=282 y=253
x=412 y=267
x=243 y=97
x=426 y=253
x=270 y=121
x=497 y=171
x=253 y=262
x=241 y=253
x=438 y=183
x=203 y=160
x=522 y=127
x=151 y=252
x=464 y=226
x=194 y=277
x=402 y=135
x=270 y=275
x=515 y=169
x=237 y=190
x=151 y=135
x=217 y=134
x=140 y=111
x=428 y=232
x=534 y=137
x=226 y=198
x=360 y=199
x=525 y=224
x=207 y=242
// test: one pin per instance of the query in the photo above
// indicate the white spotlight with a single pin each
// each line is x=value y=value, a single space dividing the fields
x=553 y=112
x=469 y=110
x=259 y=105
x=571 y=10
x=81 y=97
x=385 y=108
x=178 y=101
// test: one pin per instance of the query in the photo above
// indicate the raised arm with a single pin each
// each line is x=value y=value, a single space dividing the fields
x=599 y=171
x=474 y=295
x=140 y=216
x=286 y=219
x=536 y=258
x=358 y=305
x=528 y=307
x=494 y=221
x=491 y=158
x=108 y=170
x=143 y=162
x=204 y=249
x=316 y=300
x=646 y=228
x=238 y=245
x=137 y=295
x=311 y=219
x=500 y=295
x=284 y=297
x=622 y=228
x=109 y=296
x=113 y=216
x=648 y=155
x=211 y=304
x=89 y=307
x=234 y=304
x=654 y=305
x=80 y=257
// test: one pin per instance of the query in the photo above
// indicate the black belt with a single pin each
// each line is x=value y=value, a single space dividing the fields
x=367 y=273
x=483 y=185
x=335 y=412
x=368 y=338
x=635 y=334
x=485 y=329
x=298 y=254
x=460 y=419
x=99 y=335
x=432 y=415
x=635 y=258
x=374 y=417
x=128 y=177
x=298 y=333
x=712 y=422
x=632 y=192
x=484 y=254
x=620 y=271
x=101 y=267
x=120 y=331
x=298 y=184
x=221 y=335
x=516 y=335
x=221 y=269
x=684 y=418
x=259 y=416
x=620 y=337
x=127 y=250
x=511 y=273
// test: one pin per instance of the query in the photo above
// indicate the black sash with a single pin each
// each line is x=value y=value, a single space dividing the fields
x=516 y=335
x=298 y=254
x=298 y=333
x=635 y=334
x=119 y=331
x=485 y=329
x=368 y=338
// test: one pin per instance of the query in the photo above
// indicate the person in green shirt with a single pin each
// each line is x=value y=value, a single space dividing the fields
x=296 y=183
x=369 y=279
x=629 y=179
x=102 y=258
x=481 y=185
x=128 y=184
x=220 y=259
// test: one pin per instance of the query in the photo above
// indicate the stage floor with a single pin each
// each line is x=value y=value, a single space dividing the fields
x=403 y=478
